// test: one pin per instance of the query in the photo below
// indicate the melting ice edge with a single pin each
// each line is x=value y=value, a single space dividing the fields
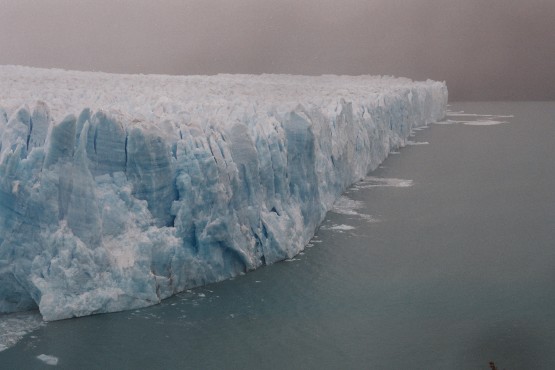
x=117 y=191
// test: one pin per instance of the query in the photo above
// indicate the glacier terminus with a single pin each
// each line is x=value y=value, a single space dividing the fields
x=117 y=191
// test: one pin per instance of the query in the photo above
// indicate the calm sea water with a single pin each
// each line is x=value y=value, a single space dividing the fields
x=450 y=270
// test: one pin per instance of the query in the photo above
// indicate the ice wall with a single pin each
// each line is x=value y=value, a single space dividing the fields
x=117 y=191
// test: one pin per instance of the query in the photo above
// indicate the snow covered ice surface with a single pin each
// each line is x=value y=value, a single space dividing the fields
x=117 y=191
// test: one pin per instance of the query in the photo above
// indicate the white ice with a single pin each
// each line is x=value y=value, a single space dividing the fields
x=379 y=182
x=14 y=326
x=349 y=207
x=479 y=119
x=483 y=122
x=340 y=227
x=117 y=191
x=416 y=143
x=49 y=360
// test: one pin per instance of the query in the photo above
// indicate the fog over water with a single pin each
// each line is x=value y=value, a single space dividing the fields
x=484 y=49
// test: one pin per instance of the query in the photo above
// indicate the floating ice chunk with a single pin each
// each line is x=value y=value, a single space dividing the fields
x=445 y=122
x=49 y=360
x=377 y=182
x=480 y=119
x=420 y=128
x=339 y=227
x=346 y=206
x=413 y=143
x=483 y=122
x=462 y=114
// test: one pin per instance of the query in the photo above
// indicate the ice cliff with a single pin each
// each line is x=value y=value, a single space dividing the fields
x=117 y=191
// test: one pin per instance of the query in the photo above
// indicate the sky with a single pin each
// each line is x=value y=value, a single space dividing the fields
x=483 y=49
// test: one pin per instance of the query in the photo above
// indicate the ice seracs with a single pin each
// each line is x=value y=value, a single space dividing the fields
x=117 y=191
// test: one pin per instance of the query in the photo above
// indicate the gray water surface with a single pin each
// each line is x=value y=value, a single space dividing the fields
x=450 y=273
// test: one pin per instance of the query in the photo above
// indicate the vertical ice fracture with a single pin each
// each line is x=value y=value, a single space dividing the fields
x=117 y=191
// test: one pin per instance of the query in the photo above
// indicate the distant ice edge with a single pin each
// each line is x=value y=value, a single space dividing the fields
x=103 y=210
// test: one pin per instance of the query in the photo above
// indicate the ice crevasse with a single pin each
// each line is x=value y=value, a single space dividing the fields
x=117 y=191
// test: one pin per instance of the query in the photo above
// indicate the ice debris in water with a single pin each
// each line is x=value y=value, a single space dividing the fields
x=117 y=191
x=16 y=325
x=339 y=228
x=49 y=360
x=415 y=143
x=379 y=182
x=349 y=207
x=473 y=119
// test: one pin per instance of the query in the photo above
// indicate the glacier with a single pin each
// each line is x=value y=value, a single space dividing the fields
x=117 y=191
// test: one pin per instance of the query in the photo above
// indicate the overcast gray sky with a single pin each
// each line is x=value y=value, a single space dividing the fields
x=484 y=49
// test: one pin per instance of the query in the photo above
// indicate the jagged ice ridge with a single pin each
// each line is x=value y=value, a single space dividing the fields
x=117 y=191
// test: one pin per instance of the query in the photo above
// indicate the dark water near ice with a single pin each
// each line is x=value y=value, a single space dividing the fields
x=450 y=273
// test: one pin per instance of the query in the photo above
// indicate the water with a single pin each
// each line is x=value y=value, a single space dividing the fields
x=448 y=264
